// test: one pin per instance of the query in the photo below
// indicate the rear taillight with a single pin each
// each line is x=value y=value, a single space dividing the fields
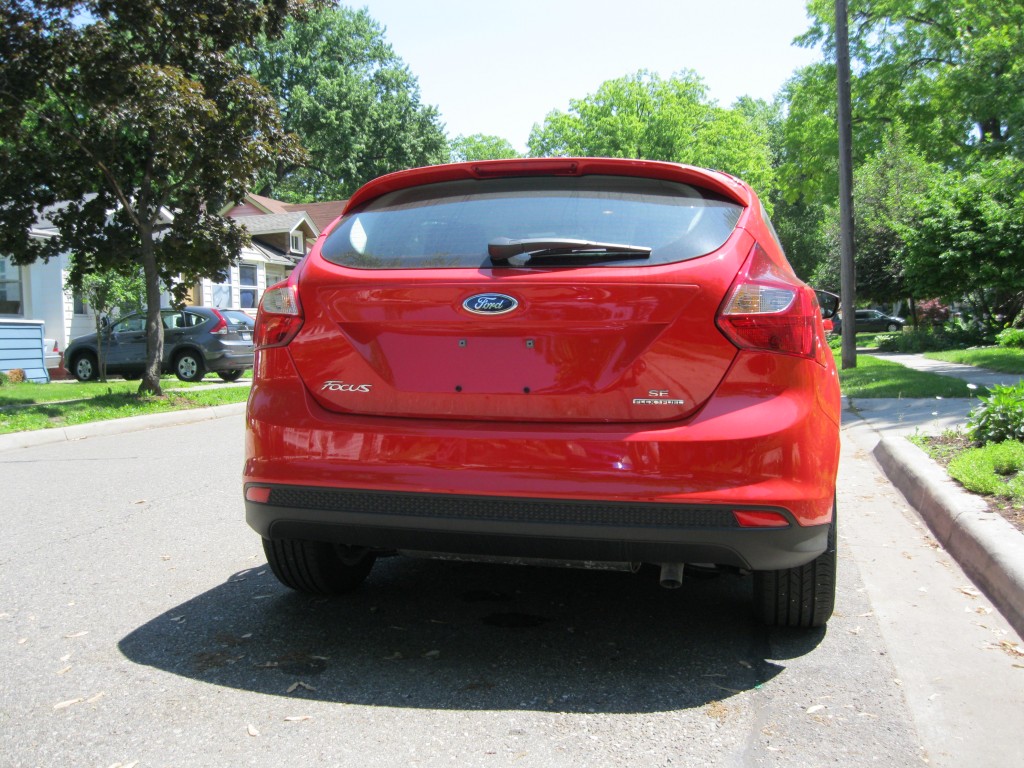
x=768 y=308
x=280 y=316
x=221 y=326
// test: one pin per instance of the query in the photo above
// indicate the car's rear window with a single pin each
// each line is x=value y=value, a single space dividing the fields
x=449 y=224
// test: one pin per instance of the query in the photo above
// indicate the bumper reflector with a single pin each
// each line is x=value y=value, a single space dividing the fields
x=751 y=519
x=257 y=494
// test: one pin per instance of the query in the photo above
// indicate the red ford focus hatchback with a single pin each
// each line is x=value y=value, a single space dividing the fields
x=573 y=360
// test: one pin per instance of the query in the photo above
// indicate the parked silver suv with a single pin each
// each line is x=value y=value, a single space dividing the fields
x=196 y=340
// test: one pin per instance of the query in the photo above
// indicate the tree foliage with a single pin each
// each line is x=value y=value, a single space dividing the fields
x=646 y=117
x=950 y=70
x=888 y=188
x=480 y=146
x=966 y=239
x=105 y=291
x=352 y=101
x=127 y=124
x=946 y=77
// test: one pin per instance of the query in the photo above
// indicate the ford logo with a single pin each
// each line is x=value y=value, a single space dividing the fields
x=489 y=304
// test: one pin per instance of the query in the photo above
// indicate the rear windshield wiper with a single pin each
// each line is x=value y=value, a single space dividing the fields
x=503 y=249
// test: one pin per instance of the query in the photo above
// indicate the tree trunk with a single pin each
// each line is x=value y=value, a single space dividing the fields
x=154 y=326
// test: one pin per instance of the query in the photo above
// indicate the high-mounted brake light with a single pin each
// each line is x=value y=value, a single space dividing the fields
x=280 y=316
x=768 y=308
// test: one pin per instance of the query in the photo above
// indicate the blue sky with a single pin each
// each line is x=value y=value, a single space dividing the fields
x=497 y=68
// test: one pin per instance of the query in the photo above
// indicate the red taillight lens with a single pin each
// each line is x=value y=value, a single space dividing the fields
x=280 y=316
x=221 y=326
x=768 y=308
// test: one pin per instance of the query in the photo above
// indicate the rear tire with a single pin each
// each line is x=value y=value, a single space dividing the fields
x=234 y=375
x=801 y=597
x=317 y=567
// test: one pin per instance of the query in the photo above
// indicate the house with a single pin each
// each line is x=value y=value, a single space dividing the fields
x=282 y=234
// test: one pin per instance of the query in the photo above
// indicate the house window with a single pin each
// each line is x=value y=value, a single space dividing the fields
x=10 y=287
x=248 y=288
x=222 y=293
x=80 y=305
x=298 y=245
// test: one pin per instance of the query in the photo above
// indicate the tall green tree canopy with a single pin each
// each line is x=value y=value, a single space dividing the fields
x=646 y=117
x=966 y=240
x=951 y=70
x=350 y=99
x=479 y=146
x=126 y=122
x=947 y=76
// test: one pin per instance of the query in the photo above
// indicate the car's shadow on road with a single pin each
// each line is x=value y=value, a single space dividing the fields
x=430 y=634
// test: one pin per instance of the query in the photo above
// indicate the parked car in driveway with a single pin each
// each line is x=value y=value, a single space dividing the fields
x=51 y=354
x=574 y=360
x=870 y=321
x=196 y=340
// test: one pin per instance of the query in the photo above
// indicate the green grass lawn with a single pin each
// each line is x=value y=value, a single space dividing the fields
x=1002 y=359
x=43 y=406
x=994 y=471
x=874 y=377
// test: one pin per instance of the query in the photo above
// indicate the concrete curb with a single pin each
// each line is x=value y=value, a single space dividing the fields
x=116 y=426
x=987 y=547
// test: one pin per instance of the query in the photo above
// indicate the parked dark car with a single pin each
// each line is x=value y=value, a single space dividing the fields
x=871 y=321
x=574 y=360
x=196 y=340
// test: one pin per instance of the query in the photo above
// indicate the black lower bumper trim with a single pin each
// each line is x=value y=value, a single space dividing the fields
x=527 y=527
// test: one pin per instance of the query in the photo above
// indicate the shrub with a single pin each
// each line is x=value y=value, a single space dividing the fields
x=955 y=334
x=16 y=375
x=911 y=341
x=1011 y=337
x=933 y=312
x=999 y=417
x=3 y=378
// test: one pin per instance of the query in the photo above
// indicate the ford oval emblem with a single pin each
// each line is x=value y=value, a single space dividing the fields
x=489 y=304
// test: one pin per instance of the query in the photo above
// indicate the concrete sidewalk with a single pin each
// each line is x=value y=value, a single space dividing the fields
x=987 y=547
x=969 y=373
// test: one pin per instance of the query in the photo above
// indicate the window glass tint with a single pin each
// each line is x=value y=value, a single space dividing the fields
x=131 y=324
x=450 y=224
x=237 y=317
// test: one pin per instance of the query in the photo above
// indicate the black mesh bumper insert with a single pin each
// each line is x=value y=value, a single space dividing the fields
x=510 y=510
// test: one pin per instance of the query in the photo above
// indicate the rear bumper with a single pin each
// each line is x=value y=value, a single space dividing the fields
x=532 y=528
x=767 y=440
x=229 y=359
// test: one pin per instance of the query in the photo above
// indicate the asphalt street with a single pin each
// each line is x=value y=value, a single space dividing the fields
x=139 y=625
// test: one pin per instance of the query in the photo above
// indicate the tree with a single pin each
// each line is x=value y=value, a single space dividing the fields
x=480 y=146
x=646 y=117
x=947 y=73
x=351 y=100
x=966 y=240
x=950 y=70
x=105 y=291
x=129 y=116
x=887 y=190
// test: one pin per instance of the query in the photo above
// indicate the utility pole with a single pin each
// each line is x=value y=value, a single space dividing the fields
x=847 y=273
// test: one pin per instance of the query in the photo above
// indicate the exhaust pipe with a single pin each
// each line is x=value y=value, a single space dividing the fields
x=671 y=575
